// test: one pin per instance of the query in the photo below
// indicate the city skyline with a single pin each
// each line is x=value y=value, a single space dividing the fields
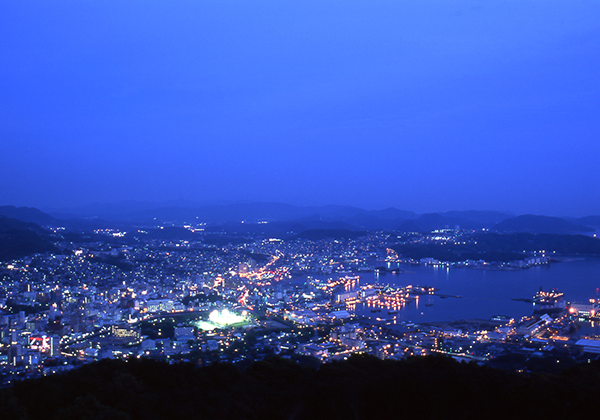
x=422 y=106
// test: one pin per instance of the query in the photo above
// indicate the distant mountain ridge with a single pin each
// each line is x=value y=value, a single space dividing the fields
x=389 y=218
x=280 y=217
x=102 y=210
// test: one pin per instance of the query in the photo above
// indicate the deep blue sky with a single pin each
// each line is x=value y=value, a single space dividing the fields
x=422 y=105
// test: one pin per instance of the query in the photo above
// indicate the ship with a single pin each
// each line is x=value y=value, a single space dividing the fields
x=548 y=302
x=547 y=298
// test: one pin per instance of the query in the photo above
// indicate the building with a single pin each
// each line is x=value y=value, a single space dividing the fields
x=583 y=310
x=588 y=345
x=159 y=305
x=125 y=332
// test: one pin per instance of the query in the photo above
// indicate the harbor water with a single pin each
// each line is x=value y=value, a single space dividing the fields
x=484 y=293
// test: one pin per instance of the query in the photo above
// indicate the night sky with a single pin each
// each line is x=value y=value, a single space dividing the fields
x=425 y=105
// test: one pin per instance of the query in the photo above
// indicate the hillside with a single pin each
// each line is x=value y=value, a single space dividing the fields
x=27 y=214
x=19 y=239
x=362 y=387
x=492 y=246
x=539 y=224
x=472 y=219
x=318 y=234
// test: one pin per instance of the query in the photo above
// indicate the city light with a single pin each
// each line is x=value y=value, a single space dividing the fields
x=225 y=317
x=219 y=319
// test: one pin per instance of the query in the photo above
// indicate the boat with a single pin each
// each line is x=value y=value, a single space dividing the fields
x=547 y=298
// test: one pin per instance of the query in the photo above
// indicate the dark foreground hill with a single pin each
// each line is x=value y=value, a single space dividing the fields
x=362 y=387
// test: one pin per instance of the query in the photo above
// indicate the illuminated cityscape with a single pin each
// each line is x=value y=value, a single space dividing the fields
x=189 y=300
x=299 y=209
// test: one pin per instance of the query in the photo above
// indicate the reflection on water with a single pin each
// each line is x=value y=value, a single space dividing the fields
x=485 y=293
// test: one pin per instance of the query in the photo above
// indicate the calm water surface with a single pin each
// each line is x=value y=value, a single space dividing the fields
x=486 y=293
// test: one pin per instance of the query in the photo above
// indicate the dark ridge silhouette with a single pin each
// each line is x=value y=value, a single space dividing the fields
x=539 y=224
x=19 y=239
x=562 y=244
x=363 y=387
x=497 y=247
x=588 y=221
x=28 y=214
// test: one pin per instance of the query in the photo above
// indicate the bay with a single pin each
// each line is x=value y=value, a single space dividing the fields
x=485 y=293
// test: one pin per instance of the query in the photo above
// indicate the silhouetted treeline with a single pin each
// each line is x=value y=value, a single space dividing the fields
x=362 y=387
